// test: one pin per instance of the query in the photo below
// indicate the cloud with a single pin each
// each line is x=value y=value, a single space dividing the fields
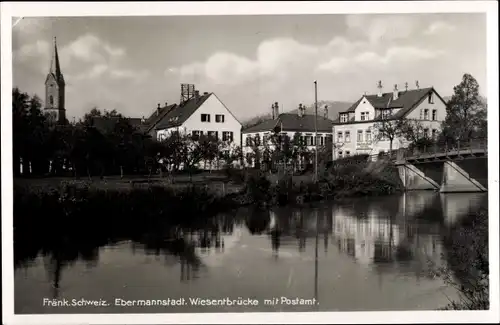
x=439 y=27
x=378 y=28
x=90 y=48
x=34 y=50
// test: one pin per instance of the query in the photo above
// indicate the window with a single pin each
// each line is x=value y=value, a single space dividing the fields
x=51 y=100
x=434 y=114
x=368 y=135
x=339 y=137
x=347 y=153
x=340 y=154
x=347 y=136
x=321 y=140
x=197 y=134
x=257 y=140
x=309 y=140
x=431 y=98
x=343 y=118
x=219 y=118
x=360 y=135
x=227 y=136
x=365 y=116
x=386 y=113
x=213 y=134
x=426 y=133
x=248 y=140
x=434 y=134
x=205 y=117
x=426 y=114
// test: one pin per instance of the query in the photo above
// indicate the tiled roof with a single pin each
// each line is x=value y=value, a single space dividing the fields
x=178 y=114
x=293 y=122
x=406 y=101
x=158 y=115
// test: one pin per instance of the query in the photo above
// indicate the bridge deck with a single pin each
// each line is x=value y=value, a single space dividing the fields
x=465 y=153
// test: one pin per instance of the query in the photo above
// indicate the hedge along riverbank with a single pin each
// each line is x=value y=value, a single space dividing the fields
x=349 y=177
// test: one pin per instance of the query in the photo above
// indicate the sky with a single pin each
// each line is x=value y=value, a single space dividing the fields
x=133 y=63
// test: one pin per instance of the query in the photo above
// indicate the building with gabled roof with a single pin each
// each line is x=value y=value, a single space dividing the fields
x=289 y=124
x=355 y=129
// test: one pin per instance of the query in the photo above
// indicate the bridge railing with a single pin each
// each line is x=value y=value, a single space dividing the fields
x=443 y=148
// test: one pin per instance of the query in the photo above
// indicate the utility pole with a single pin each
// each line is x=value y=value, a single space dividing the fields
x=316 y=130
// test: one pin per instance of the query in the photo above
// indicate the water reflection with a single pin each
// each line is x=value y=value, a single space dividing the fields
x=387 y=235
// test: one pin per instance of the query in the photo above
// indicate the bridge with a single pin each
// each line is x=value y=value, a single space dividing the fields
x=462 y=167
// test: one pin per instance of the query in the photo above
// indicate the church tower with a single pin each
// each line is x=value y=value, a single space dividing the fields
x=54 y=90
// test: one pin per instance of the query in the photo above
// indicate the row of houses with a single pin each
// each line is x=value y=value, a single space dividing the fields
x=351 y=133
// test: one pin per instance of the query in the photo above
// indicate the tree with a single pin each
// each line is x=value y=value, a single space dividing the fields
x=466 y=113
x=191 y=153
x=388 y=128
x=413 y=131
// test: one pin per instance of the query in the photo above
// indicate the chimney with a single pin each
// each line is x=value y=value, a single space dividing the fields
x=166 y=104
x=326 y=111
x=416 y=84
x=197 y=94
x=300 y=111
x=406 y=86
x=395 y=92
x=379 y=86
x=158 y=109
x=276 y=109
x=205 y=93
x=273 y=111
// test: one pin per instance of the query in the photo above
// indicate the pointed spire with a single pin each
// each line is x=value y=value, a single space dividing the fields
x=54 y=63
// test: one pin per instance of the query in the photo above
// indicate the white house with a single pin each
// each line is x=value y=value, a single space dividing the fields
x=354 y=129
x=288 y=124
x=201 y=115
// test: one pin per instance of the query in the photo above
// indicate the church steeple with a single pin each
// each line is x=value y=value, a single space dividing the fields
x=55 y=67
x=54 y=89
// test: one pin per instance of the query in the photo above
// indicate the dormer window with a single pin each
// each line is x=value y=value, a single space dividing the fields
x=343 y=118
x=365 y=116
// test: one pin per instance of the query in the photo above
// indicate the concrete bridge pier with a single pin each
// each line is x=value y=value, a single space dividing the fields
x=445 y=176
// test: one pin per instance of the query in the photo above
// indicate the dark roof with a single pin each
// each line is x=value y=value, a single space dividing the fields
x=158 y=115
x=178 y=114
x=293 y=122
x=406 y=101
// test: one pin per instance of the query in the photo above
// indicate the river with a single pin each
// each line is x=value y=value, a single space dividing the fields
x=363 y=254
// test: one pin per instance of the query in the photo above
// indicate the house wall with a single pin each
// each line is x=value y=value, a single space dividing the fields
x=212 y=106
x=364 y=106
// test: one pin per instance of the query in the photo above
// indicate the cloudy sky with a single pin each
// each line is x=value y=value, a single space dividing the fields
x=133 y=63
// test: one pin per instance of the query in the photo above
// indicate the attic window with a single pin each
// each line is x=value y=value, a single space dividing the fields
x=431 y=98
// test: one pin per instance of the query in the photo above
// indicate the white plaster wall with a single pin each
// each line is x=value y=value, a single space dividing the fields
x=364 y=106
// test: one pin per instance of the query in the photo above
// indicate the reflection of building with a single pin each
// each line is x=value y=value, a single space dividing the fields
x=360 y=237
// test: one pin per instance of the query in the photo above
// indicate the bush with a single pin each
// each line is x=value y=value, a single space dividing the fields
x=467 y=263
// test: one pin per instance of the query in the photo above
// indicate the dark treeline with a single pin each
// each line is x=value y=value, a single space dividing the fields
x=73 y=149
